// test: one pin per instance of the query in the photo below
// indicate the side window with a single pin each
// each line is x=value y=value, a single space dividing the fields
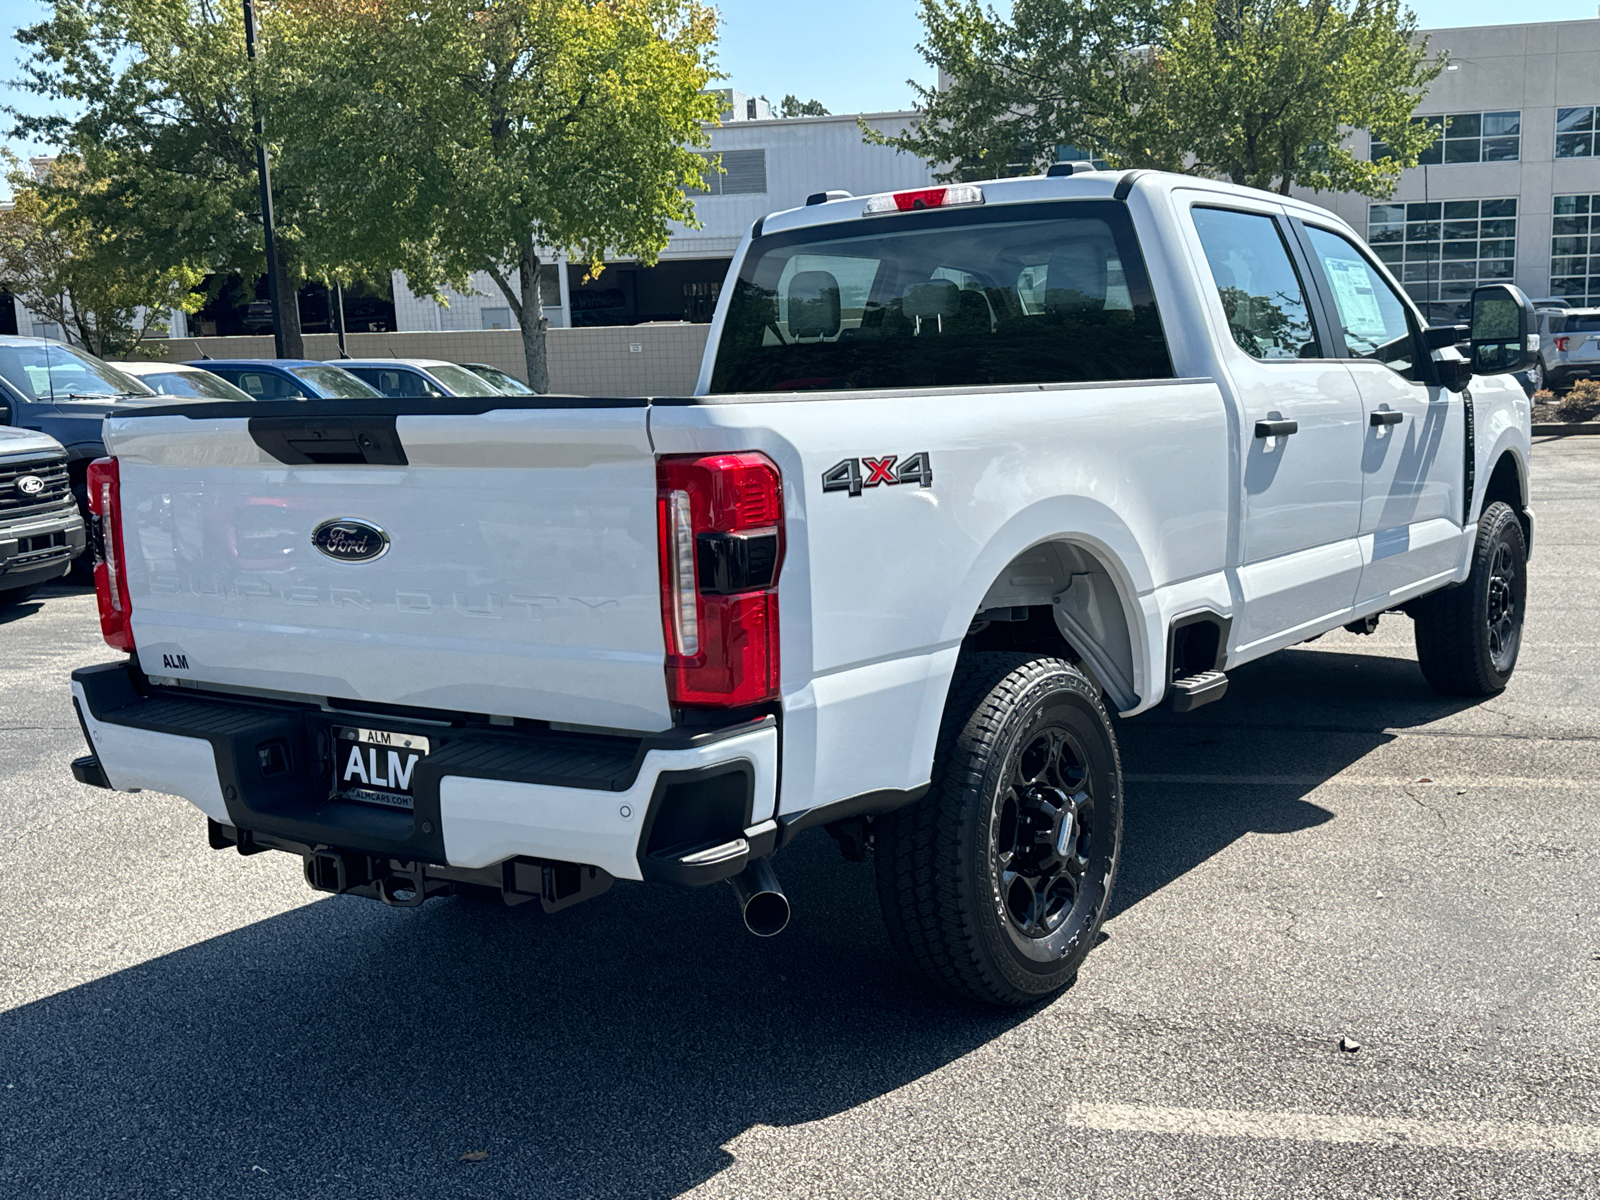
x=1268 y=314
x=1372 y=317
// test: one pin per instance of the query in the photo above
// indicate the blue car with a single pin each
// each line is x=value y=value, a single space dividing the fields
x=288 y=378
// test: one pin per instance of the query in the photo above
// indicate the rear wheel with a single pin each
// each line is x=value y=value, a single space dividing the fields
x=1469 y=636
x=994 y=885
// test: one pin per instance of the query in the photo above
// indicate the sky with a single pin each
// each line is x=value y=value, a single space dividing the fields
x=852 y=55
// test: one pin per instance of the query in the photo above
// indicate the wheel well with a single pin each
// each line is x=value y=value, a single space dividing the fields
x=1061 y=598
x=1505 y=484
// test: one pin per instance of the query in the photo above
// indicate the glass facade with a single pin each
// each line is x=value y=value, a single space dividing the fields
x=1575 y=133
x=1441 y=250
x=1467 y=138
x=1573 y=274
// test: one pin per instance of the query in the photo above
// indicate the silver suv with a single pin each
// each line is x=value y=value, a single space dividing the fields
x=1569 y=347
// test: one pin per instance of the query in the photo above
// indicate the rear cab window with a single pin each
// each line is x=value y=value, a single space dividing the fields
x=1052 y=292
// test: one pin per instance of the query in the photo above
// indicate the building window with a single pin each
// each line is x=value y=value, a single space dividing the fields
x=1573 y=274
x=1575 y=133
x=1467 y=138
x=496 y=318
x=1443 y=249
x=744 y=173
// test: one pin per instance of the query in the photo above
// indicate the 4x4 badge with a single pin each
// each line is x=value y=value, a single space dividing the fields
x=846 y=476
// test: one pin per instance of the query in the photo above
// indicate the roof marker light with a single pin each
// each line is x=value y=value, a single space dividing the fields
x=936 y=197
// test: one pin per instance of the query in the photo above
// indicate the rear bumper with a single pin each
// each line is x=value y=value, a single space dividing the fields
x=683 y=807
x=37 y=549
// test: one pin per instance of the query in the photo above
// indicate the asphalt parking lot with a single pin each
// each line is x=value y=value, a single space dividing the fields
x=1331 y=852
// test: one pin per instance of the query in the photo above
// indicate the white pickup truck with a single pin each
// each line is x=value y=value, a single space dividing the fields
x=966 y=469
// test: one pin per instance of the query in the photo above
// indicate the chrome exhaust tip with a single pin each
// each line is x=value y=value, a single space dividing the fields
x=761 y=899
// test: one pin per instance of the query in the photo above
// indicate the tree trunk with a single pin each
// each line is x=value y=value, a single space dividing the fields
x=535 y=348
x=294 y=345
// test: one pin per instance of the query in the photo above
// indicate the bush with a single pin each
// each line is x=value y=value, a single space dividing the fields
x=1543 y=396
x=1585 y=394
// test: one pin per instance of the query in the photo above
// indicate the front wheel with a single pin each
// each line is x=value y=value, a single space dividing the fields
x=1469 y=636
x=994 y=885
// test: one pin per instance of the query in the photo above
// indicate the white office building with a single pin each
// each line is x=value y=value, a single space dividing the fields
x=1506 y=192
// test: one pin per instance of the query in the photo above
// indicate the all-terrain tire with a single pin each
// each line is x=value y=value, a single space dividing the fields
x=1469 y=636
x=995 y=883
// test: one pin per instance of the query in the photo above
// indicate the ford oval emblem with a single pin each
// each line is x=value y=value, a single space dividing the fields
x=30 y=485
x=350 y=539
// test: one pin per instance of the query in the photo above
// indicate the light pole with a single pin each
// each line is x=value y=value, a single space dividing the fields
x=265 y=174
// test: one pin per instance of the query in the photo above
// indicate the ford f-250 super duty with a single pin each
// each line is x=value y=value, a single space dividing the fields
x=966 y=468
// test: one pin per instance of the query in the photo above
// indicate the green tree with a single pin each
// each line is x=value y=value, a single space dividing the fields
x=163 y=92
x=793 y=106
x=1262 y=92
x=94 y=282
x=470 y=134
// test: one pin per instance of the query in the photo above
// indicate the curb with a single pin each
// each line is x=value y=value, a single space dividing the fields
x=1554 y=429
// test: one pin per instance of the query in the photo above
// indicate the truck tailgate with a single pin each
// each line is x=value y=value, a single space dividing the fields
x=520 y=576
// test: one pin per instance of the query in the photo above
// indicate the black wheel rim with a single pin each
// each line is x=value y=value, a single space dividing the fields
x=1043 y=833
x=1504 y=610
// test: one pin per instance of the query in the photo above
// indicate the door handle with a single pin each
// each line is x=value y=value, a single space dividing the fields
x=1266 y=429
x=1385 y=416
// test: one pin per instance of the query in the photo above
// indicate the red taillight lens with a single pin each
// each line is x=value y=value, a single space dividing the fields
x=1561 y=344
x=111 y=565
x=720 y=520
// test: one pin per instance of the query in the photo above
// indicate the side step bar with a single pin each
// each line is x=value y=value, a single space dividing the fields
x=1190 y=692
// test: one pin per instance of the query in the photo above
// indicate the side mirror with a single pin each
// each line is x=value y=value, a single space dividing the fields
x=1502 y=325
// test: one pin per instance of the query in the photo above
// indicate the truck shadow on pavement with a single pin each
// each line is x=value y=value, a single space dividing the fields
x=344 y=1049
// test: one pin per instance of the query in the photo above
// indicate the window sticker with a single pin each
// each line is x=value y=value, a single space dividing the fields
x=1357 y=300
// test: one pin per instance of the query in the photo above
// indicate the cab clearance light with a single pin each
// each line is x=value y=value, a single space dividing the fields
x=111 y=567
x=953 y=196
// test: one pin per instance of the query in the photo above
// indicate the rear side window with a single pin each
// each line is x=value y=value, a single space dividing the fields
x=334 y=383
x=1268 y=315
x=1048 y=293
x=262 y=385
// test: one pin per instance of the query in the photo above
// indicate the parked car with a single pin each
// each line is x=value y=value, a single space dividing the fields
x=287 y=378
x=502 y=381
x=1569 y=347
x=41 y=529
x=66 y=392
x=418 y=377
x=181 y=379
x=1008 y=457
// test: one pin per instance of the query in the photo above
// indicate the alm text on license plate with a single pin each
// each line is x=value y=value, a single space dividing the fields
x=376 y=766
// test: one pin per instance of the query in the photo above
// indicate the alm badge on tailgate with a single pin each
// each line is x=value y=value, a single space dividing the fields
x=350 y=539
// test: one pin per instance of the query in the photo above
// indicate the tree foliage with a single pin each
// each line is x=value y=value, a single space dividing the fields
x=164 y=95
x=793 y=106
x=1261 y=92
x=94 y=280
x=472 y=133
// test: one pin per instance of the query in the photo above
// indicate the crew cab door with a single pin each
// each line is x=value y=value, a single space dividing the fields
x=1412 y=453
x=1300 y=425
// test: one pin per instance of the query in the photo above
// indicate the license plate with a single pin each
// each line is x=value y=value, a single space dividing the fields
x=376 y=766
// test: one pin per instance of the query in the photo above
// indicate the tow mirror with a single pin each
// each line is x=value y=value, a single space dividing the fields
x=1502 y=326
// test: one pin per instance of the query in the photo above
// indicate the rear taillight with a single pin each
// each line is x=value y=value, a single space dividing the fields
x=111 y=565
x=721 y=528
x=1561 y=344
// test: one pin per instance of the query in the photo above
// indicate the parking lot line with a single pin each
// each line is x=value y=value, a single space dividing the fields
x=1346 y=777
x=1522 y=1137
